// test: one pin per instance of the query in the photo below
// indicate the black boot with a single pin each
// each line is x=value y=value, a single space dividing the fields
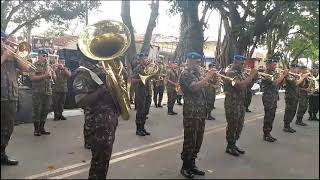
x=248 y=110
x=209 y=117
x=62 y=117
x=186 y=169
x=310 y=116
x=42 y=130
x=36 y=129
x=5 y=160
x=314 y=117
x=144 y=131
x=269 y=138
x=239 y=150
x=56 y=117
x=195 y=170
x=139 y=131
x=287 y=128
x=231 y=150
x=299 y=122
x=159 y=105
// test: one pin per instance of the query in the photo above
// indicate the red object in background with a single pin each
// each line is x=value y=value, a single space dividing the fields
x=250 y=62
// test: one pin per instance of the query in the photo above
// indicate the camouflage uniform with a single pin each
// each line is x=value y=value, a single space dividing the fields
x=41 y=96
x=172 y=75
x=314 y=105
x=211 y=95
x=158 y=89
x=248 y=97
x=234 y=106
x=141 y=93
x=303 y=100
x=270 y=95
x=291 y=99
x=88 y=129
x=194 y=114
x=59 y=90
x=104 y=118
x=9 y=100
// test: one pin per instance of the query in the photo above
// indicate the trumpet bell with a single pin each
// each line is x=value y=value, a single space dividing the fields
x=105 y=40
x=144 y=78
x=24 y=49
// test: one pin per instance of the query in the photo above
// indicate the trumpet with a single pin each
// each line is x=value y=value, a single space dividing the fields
x=149 y=71
x=20 y=53
x=233 y=82
x=264 y=75
x=291 y=73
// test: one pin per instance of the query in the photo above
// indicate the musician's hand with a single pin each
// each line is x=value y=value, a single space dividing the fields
x=304 y=76
x=211 y=73
x=286 y=72
x=253 y=73
x=60 y=66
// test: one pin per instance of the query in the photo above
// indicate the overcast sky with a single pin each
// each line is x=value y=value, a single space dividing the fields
x=140 y=11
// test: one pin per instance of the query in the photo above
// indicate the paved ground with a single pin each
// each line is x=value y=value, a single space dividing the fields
x=61 y=155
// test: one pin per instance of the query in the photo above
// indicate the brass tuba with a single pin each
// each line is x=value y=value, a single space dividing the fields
x=106 y=41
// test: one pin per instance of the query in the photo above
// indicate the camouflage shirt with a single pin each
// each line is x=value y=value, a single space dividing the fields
x=43 y=86
x=269 y=87
x=172 y=75
x=9 y=82
x=291 y=88
x=83 y=85
x=195 y=105
x=60 y=81
x=139 y=85
x=231 y=91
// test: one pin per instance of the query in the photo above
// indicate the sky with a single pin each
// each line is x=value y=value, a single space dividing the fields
x=140 y=11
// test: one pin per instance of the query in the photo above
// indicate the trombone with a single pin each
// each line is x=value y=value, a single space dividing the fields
x=20 y=53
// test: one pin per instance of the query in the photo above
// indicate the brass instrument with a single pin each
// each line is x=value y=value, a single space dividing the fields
x=264 y=75
x=233 y=82
x=20 y=53
x=105 y=41
x=150 y=70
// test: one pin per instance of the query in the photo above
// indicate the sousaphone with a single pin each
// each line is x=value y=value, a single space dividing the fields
x=106 y=41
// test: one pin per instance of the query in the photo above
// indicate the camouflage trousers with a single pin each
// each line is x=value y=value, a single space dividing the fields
x=290 y=109
x=8 y=116
x=88 y=129
x=248 y=98
x=141 y=102
x=148 y=104
x=158 y=91
x=235 y=112
x=172 y=96
x=104 y=127
x=41 y=106
x=302 y=106
x=211 y=98
x=58 y=100
x=131 y=93
x=270 y=108
x=193 y=137
x=314 y=104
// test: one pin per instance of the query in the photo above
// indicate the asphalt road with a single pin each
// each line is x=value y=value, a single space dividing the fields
x=62 y=155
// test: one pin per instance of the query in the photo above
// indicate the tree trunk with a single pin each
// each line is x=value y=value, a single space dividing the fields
x=151 y=25
x=218 y=47
x=126 y=18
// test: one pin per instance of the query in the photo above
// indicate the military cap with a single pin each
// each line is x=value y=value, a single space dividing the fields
x=42 y=52
x=315 y=65
x=294 y=65
x=194 y=56
x=271 y=61
x=302 y=66
x=61 y=58
x=239 y=58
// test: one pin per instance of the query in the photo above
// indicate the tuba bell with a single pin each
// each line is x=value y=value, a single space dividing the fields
x=150 y=70
x=106 y=41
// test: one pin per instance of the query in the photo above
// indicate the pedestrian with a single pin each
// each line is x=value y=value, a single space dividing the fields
x=172 y=85
x=42 y=82
x=270 y=89
x=93 y=95
x=314 y=95
x=234 y=103
x=194 y=112
x=60 y=89
x=9 y=97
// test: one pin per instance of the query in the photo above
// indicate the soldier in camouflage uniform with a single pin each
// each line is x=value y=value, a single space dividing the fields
x=211 y=95
x=270 y=89
x=192 y=83
x=172 y=83
x=314 y=96
x=93 y=96
x=234 y=103
x=9 y=98
x=291 y=98
x=41 y=92
x=141 y=91
x=303 y=98
x=158 y=87
x=60 y=89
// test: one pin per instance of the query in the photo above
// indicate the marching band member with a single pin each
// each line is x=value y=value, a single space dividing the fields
x=270 y=89
x=234 y=103
x=172 y=84
x=211 y=95
x=194 y=112
x=158 y=86
x=314 y=96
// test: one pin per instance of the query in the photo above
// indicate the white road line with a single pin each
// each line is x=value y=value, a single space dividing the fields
x=112 y=161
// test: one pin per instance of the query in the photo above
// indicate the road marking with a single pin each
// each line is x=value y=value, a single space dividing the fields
x=112 y=161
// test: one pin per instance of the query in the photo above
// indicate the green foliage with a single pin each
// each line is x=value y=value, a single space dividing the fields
x=23 y=13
